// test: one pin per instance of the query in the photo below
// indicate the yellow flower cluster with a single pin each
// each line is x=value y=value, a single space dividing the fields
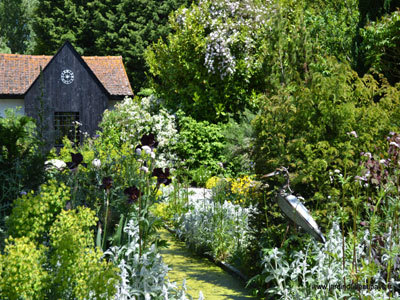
x=241 y=190
x=241 y=185
x=212 y=182
x=244 y=188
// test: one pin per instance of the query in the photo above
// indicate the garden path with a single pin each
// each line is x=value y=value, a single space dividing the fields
x=200 y=274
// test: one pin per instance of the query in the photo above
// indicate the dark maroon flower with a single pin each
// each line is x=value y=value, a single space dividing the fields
x=107 y=183
x=77 y=159
x=133 y=194
x=162 y=176
x=149 y=140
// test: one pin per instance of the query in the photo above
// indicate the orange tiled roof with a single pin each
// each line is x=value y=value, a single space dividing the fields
x=18 y=72
x=111 y=73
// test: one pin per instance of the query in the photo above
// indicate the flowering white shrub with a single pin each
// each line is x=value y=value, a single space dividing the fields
x=318 y=272
x=132 y=118
x=221 y=228
x=213 y=62
x=142 y=277
x=234 y=28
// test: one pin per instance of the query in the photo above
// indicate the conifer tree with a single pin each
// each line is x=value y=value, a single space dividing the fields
x=105 y=27
x=57 y=21
x=127 y=27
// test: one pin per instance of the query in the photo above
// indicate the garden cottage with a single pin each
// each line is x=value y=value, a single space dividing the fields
x=69 y=88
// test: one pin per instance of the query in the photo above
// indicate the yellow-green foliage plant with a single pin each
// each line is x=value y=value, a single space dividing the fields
x=34 y=213
x=22 y=275
x=70 y=268
x=79 y=272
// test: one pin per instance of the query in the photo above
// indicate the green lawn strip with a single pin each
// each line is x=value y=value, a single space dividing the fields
x=200 y=273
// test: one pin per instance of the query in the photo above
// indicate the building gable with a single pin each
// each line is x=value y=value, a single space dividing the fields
x=67 y=58
x=18 y=72
x=61 y=89
x=67 y=90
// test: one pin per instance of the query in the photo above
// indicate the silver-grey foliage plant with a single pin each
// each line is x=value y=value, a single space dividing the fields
x=222 y=228
x=318 y=273
x=143 y=277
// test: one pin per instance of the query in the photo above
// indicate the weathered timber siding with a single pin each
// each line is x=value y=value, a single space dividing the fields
x=85 y=94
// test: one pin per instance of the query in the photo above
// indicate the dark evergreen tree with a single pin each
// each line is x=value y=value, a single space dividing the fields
x=57 y=21
x=127 y=27
x=105 y=27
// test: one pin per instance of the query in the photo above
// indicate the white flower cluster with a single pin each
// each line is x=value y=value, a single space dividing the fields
x=137 y=119
x=207 y=221
x=232 y=26
x=323 y=279
x=142 y=277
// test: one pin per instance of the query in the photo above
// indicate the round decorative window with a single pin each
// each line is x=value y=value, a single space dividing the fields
x=67 y=76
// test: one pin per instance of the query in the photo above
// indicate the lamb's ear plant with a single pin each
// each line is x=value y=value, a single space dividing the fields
x=317 y=271
x=222 y=229
x=142 y=276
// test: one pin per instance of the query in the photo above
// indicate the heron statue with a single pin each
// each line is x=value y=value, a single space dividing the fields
x=293 y=208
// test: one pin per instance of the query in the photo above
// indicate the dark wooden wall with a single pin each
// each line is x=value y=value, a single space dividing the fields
x=84 y=95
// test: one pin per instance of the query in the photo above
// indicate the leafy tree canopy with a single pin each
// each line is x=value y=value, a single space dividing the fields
x=16 y=33
x=211 y=62
x=223 y=52
x=3 y=46
x=381 y=46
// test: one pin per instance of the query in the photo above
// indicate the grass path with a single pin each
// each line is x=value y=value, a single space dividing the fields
x=200 y=273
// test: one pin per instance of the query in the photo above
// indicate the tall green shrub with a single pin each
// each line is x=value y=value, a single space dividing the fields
x=324 y=124
x=381 y=46
x=21 y=158
x=238 y=144
x=199 y=143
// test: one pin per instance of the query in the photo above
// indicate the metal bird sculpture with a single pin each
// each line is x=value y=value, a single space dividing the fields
x=294 y=209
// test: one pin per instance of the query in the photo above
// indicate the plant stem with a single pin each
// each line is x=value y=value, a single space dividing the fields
x=140 y=231
x=105 y=222
x=343 y=246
